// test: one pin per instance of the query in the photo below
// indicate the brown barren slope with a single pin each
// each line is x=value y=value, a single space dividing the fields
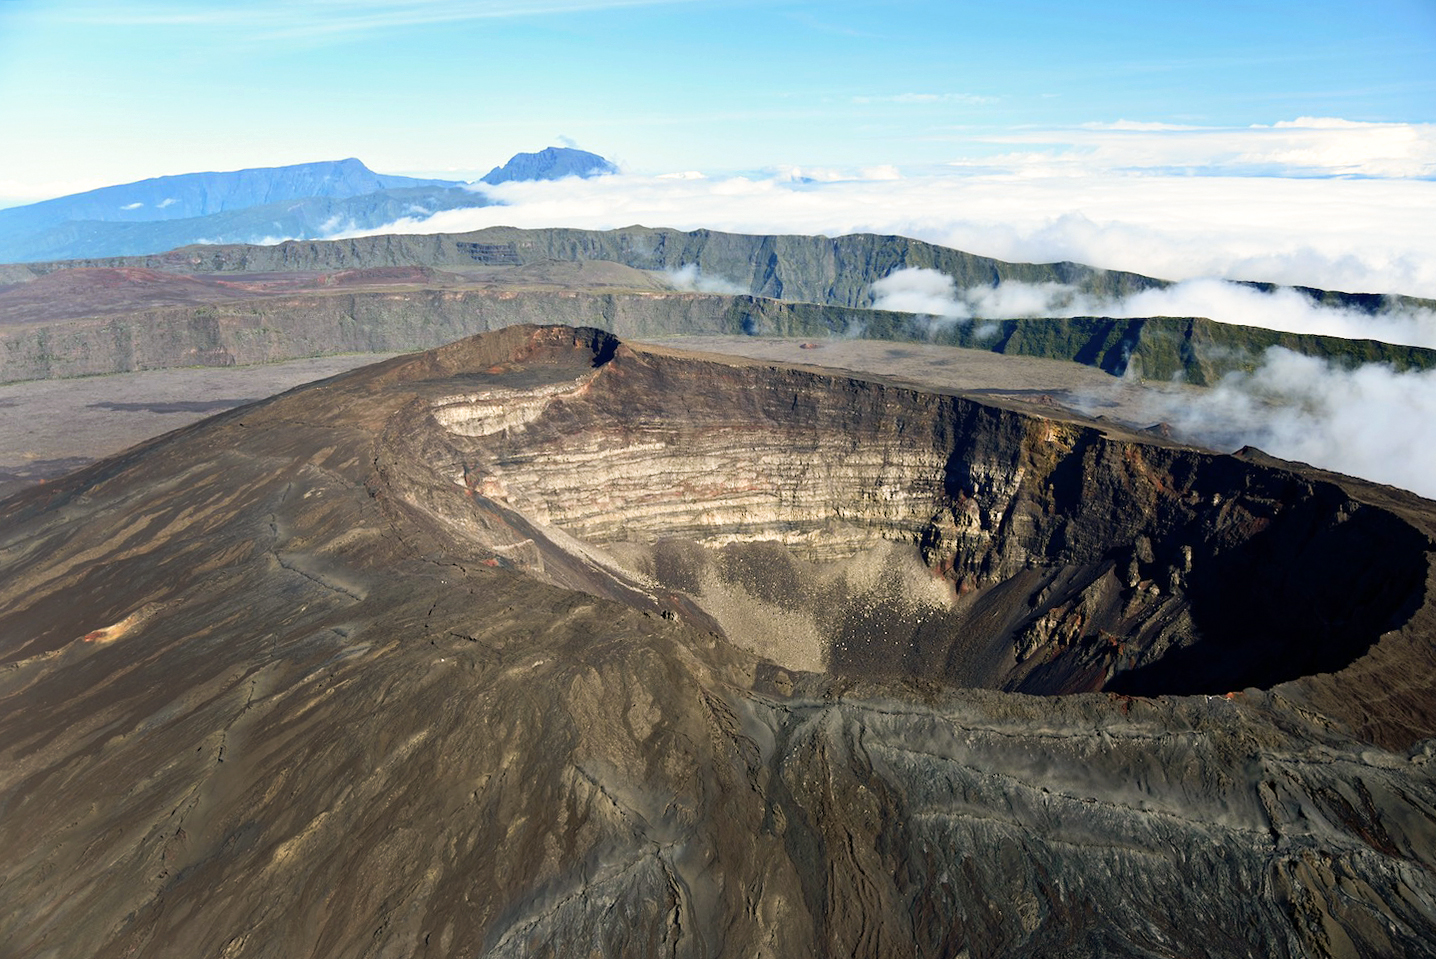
x=472 y=652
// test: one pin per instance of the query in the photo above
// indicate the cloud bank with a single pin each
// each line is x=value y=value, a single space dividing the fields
x=919 y=290
x=1371 y=422
x=1357 y=235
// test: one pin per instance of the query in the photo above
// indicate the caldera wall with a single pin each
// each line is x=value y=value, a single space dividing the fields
x=1071 y=560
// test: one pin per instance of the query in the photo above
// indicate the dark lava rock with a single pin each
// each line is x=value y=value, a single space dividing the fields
x=540 y=644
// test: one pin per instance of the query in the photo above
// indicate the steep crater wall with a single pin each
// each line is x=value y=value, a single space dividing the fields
x=853 y=526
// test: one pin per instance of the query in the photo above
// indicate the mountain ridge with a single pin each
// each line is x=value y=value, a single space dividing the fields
x=187 y=195
x=788 y=286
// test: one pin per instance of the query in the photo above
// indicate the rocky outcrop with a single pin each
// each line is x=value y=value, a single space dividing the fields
x=305 y=679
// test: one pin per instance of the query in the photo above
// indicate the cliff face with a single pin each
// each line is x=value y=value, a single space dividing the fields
x=408 y=662
x=242 y=330
x=814 y=269
x=278 y=328
x=797 y=286
x=1075 y=562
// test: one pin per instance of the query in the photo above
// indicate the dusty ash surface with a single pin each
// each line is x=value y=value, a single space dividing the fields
x=543 y=644
x=51 y=427
x=1039 y=383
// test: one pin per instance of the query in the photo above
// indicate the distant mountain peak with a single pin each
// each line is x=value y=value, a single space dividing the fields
x=551 y=163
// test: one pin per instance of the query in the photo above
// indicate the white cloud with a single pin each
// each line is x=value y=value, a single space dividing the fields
x=1282 y=309
x=690 y=278
x=1008 y=300
x=1137 y=125
x=1371 y=422
x=132 y=206
x=267 y=240
x=338 y=222
x=166 y=202
x=885 y=171
x=920 y=290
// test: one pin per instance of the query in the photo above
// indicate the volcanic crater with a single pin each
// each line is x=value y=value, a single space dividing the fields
x=859 y=527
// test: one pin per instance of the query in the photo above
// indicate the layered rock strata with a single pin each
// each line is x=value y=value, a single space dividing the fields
x=1072 y=560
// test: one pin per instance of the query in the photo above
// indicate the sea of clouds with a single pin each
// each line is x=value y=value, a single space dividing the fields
x=1356 y=235
x=1370 y=421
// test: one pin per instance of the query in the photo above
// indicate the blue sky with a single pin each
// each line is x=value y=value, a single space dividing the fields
x=93 y=93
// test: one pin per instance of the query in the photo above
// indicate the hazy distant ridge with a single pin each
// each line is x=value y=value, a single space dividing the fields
x=261 y=205
x=554 y=163
x=202 y=194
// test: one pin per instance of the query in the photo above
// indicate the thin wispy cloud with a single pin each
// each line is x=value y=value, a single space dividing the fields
x=973 y=99
x=827 y=26
x=692 y=279
x=1306 y=147
x=316 y=19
